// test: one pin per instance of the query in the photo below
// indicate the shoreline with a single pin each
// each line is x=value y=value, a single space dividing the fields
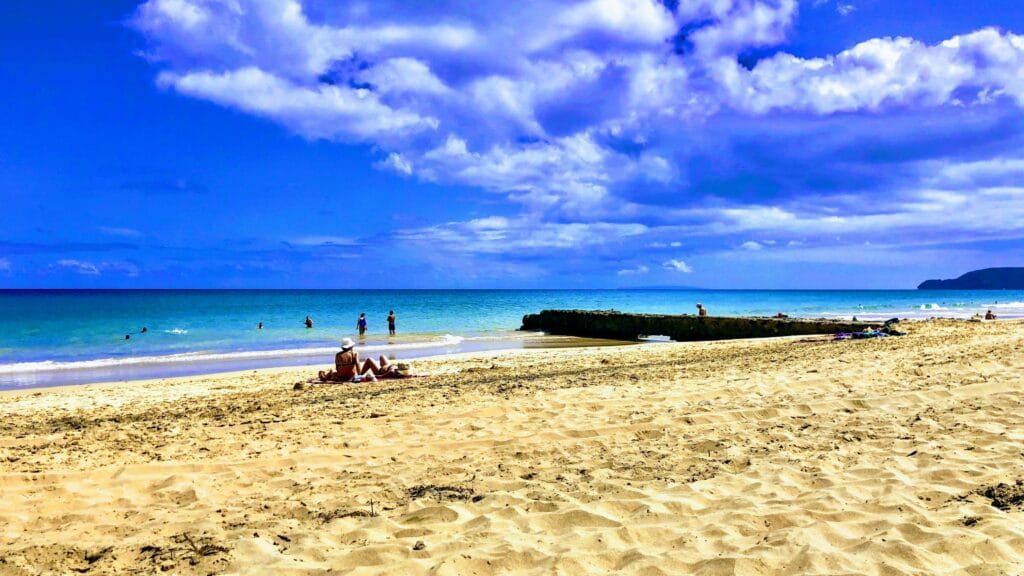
x=542 y=343
x=49 y=374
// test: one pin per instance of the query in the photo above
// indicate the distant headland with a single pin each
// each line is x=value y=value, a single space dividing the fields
x=987 y=279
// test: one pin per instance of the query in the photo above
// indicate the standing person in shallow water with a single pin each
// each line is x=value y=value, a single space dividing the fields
x=701 y=310
x=361 y=323
x=391 y=323
x=309 y=321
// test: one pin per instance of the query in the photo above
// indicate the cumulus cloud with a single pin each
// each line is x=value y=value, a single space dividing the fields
x=676 y=265
x=503 y=87
x=582 y=113
x=885 y=73
x=751 y=245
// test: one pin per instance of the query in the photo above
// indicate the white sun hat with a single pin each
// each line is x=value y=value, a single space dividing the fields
x=347 y=343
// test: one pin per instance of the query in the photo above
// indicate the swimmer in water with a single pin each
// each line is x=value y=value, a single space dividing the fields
x=309 y=321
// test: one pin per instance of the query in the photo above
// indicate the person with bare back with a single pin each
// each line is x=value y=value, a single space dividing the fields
x=347 y=367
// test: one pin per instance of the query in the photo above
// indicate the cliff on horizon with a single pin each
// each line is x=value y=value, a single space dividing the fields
x=987 y=279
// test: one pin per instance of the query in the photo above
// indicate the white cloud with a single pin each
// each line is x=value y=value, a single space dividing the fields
x=884 y=73
x=498 y=234
x=409 y=81
x=396 y=162
x=122 y=232
x=751 y=245
x=80 y=267
x=845 y=9
x=321 y=111
x=538 y=101
x=640 y=269
x=324 y=241
x=677 y=266
x=88 y=268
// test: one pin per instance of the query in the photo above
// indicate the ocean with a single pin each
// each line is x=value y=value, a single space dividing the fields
x=56 y=337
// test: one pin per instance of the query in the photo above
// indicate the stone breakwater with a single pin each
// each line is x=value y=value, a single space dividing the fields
x=681 y=328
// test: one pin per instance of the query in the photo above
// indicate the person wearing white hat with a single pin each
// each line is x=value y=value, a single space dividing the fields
x=348 y=369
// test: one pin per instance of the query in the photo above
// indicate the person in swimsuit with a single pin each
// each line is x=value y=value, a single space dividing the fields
x=347 y=366
x=701 y=310
x=391 y=323
x=989 y=315
x=361 y=323
x=309 y=321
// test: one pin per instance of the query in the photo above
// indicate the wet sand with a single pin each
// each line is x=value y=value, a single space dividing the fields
x=783 y=456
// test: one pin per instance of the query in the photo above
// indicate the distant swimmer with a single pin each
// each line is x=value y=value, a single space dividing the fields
x=309 y=322
x=144 y=329
x=361 y=323
x=127 y=336
x=260 y=325
x=391 y=323
x=989 y=315
x=701 y=310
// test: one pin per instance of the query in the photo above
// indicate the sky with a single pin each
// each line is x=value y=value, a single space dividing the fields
x=532 y=144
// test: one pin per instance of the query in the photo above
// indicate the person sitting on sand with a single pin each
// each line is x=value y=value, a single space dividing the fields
x=348 y=369
x=701 y=310
x=989 y=315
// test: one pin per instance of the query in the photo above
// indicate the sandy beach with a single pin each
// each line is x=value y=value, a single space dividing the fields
x=782 y=456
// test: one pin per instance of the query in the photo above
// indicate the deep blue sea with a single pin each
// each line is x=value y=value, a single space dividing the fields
x=61 y=337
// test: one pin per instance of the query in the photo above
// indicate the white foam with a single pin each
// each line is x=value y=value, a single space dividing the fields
x=446 y=341
x=177 y=331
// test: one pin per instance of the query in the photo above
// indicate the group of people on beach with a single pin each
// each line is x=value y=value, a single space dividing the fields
x=348 y=367
x=361 y=323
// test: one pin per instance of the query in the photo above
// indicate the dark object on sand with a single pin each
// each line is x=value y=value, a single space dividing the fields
x=1005 y=496
x=299 y=386
x=986 y=279
x=419 y=545
x=440 y=492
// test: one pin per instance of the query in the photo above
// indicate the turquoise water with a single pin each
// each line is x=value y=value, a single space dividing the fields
x=55 y=337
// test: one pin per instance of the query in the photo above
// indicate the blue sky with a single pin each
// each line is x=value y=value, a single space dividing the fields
x=600 y=143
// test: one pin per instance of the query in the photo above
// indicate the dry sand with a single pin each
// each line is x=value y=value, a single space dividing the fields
x=745 y=457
